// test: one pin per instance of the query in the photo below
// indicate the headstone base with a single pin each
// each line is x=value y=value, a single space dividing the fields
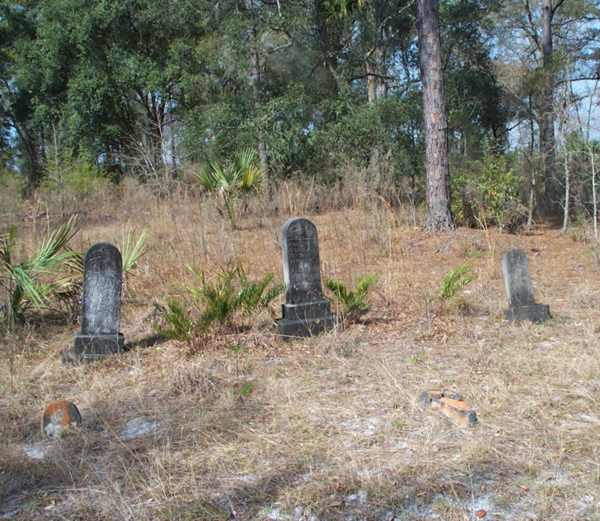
x=531 y=312
x=95 y=347
x=309 y=319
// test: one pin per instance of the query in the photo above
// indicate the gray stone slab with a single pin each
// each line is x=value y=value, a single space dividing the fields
x=101 y=304
x=305 y=312
x=519 y=289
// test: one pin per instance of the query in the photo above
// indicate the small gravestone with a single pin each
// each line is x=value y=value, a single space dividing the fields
x=521 y=304
x=59 y=417
x=101 y=304
x=305 y=312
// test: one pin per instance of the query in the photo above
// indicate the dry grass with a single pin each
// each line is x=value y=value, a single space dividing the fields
x=326 y=427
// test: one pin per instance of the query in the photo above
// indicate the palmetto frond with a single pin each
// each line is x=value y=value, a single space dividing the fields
x=245 y=159
x=241 y=175
x=133 y=250
x=7 y=242
x=51 y=252
x=215 y=178
x=250 y=175
x=25 y=280
x=251 y=178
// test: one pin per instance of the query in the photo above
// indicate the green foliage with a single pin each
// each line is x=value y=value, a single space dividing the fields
x=245 y=390
x=132 y=250
x=455 y=280
x=177 y=323
x=32 y=282
x=224 y=302
x=230 y=180
x=353 y=302
x=76 y=177
x=486 y=192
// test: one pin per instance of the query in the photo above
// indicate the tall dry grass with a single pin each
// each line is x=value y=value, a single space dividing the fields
x=251 y=427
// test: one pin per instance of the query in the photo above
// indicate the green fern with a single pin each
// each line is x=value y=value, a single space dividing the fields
x=353 y=302
x=455 y=280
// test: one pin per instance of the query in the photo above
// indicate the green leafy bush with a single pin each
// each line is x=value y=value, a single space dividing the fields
x=486 y=192
x=32 y=282
x=73 y=177
x=12 y=186
x=177 y=322
x=455 y=280
x=353 y=302
x=230 y=180
x=225 y=302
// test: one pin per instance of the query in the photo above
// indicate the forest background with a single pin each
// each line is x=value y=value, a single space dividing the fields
x=92 y=93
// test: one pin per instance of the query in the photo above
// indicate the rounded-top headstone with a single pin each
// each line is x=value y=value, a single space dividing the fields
x=301 y=262
x=305 y=311
x=102 y=290
x=59 y=417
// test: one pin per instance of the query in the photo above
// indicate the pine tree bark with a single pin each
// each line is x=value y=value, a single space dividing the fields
x=254 y=78
x=547 y=139
x=434 y=116
x=376 y=90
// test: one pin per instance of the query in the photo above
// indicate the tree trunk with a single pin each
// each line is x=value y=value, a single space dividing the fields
x=567 y=192
x=547 y=140
x=434 y=116
x=254 y=79
x=375 y=90
x=530 y=159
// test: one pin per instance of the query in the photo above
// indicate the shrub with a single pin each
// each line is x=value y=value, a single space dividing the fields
x=353 y=302
x=487 y=192
x=32 y=282
x=230 y=180
x=11 y=187
x=223 y=303
x=455 y=280
x=73 y=177
x=177 y=323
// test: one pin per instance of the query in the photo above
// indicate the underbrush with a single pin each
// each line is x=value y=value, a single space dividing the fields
x=229 y=301
x=324 y=425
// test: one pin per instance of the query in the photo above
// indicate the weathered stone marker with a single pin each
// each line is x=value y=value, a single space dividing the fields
x=101 y=304
x=521 y=304
x=59 y=417
x=449 y=404
x=305 y=312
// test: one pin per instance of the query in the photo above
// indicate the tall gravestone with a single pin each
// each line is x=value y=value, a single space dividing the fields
x=521 y=304
x=101 y=304
x=305 y=312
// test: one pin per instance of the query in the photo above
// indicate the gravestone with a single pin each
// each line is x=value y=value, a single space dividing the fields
x=101 y=304
x=305 y=312
x=59 y=417
x=521 y=304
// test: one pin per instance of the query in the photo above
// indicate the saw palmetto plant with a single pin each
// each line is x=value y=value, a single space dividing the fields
x=132 y=250
x=31 y=283
x=232 y=180
x=353 y=302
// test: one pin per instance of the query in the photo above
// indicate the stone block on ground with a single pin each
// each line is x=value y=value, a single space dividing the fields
x=59 y=417
x=450 y=405
x=519 y=289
